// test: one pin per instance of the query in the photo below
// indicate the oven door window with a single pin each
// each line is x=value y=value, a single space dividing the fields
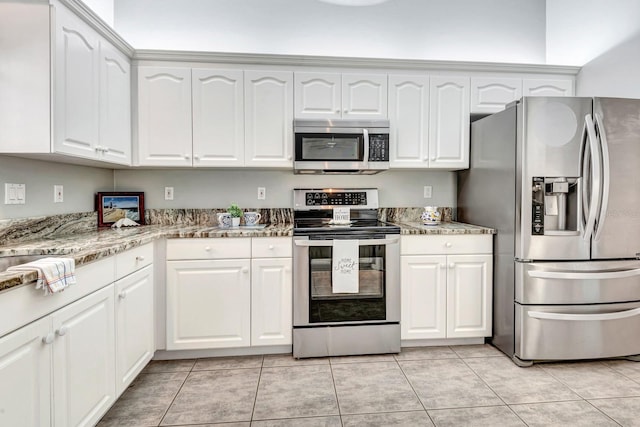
x=335 y=147
x=368 y=304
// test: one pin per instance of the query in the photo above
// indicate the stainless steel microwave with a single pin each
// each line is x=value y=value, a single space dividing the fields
x=341 y=146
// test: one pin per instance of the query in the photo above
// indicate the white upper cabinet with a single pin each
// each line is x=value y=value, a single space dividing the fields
x=164 y=116
x=449 y=122
x=409 y=121
x=547 y=87
x=218 y=117
x=364 y=96
x=318 y=95
x=77 y=74
x=491 y=94
x=340 y=96
x=66 y=89
x=268 y=97
x=115 y=106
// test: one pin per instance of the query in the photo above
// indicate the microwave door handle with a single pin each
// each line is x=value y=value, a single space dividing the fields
x=365 y=157
x=605 y=174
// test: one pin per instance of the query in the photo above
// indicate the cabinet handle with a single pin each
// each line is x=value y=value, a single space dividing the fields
x=105 y=149
x=196 y=157
x=245 y=270
x=442 y=265
x=270 y=247
x=337 y=111
x=287 y=269
x=448 y=244
x=122 y=295
x=62 y=331
x=48 y=339
x=207 y=248
x=346 y=111
x=289 y=157
x=186 y=156
x=451 y=265
x=433 y=158
x=139 y=258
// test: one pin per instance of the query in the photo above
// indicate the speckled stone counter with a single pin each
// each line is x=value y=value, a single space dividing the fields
x=92 y=246
x=86 y=245
x=443 y=228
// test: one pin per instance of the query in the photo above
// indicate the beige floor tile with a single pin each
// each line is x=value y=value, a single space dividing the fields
x=396 y=419
x=420 y=353
x=561 y=414
x=624 y=410
x=593 y=380
x=488 y=416
x=233 y=362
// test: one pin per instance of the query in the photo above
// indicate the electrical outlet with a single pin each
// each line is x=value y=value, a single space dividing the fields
x=262 y=193
x=58 y=196
x=168 y=193
x=427 y=191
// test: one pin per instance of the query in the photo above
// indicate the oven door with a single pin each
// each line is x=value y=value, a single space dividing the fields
x=378 y=297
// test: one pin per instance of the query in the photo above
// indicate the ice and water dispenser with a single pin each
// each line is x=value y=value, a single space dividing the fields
x=554 y=203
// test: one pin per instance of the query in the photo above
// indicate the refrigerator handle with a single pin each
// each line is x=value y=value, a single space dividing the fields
x=605 y=175
x=585 y=181
x=597 y=275
x=596 y=175
x=581 y=317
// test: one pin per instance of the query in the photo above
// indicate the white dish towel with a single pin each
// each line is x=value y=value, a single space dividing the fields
x=346 y=265
x=54 y=274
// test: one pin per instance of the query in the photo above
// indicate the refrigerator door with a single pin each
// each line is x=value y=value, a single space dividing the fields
x=617 y=230
x=550 y=140
x=579 y=282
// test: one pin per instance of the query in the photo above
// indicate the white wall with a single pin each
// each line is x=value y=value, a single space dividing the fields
x=79 y=183
x=616 y=73
x=581 y=30
x=218 y=188
x=105 y=9
x=469 y=30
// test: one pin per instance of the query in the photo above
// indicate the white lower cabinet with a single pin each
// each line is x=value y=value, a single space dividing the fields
x=84 y=360
x=134 y=325
x=446 y=284
x=208 y=304
x=25 y=376
x=271 y=301
x=78 y=349
x=228 y=292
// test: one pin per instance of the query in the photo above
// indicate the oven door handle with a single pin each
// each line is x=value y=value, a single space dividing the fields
x=308 y=243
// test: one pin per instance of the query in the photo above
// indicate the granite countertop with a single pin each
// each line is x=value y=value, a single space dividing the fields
x=92 y=246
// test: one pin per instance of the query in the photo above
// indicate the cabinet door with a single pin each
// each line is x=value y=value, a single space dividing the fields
x=364 y=96
x=208 y=304
x=424 y=297
x=318 y=95
x=271 y=301
x=469 y=296
x=547 y=87
x=491 y=94
x=134 y=325
x=115 y=106
x=25 y=376
x=84 y=359
x=409 y=121
x=164 y=116
x=449 y=122
x=218 y=117
x=76 y=74
x=268 y=118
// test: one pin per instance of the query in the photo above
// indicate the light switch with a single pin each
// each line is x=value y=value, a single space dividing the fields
x=15 y=194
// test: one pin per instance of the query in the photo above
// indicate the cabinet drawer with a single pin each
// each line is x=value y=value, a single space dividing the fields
x=133 y=259
x=271 y=247
x=221 y=248
x=446 y=244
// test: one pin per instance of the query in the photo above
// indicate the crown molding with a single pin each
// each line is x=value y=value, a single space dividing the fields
x=347 y=62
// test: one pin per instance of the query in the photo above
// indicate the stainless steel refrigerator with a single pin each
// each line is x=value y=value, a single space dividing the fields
x=559 y=178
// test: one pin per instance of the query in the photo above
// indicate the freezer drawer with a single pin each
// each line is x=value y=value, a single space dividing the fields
x=577 y=331
x=579 y=282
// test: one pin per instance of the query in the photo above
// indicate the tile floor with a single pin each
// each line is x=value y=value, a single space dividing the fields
x=422 y=386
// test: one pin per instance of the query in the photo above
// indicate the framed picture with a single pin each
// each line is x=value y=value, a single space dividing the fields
x=113 y=206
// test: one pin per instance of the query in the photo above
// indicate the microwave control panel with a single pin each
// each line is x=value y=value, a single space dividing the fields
x=379 y=148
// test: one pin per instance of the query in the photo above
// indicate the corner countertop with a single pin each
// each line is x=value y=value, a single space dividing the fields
x=88 y=247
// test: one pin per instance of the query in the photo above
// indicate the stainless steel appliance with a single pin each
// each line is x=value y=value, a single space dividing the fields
x=341 y=146
x=558 y=178
x=328 y=323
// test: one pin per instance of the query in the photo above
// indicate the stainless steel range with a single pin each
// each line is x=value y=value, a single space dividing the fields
x=346 y=275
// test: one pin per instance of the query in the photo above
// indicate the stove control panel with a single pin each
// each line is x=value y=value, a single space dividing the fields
x=321 y=198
